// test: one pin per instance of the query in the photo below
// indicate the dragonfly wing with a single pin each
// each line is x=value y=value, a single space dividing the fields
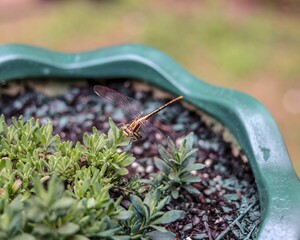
x=129 y=105
x=153 y=133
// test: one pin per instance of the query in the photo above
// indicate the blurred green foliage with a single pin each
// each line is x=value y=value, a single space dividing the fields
x=240 y=45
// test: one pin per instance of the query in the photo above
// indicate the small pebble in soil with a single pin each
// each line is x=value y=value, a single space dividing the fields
x=187 y=227
x=138 y=150
x=196 y=220
x=149 y=169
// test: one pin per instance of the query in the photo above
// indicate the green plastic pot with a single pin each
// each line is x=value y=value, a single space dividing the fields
x=249 y=121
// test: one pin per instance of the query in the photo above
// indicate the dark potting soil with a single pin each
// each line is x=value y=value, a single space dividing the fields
x=228 y=206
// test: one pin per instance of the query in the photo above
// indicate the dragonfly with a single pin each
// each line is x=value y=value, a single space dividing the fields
x=133 y=109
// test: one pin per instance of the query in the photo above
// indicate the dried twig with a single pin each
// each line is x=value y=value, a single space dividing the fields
x=208 y=230
x=251 y=231
x=222 y=234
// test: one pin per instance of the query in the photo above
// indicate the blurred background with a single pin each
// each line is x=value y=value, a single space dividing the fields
x=249 y=45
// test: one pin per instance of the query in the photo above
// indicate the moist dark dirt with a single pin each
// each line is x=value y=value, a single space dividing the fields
x=228 y=206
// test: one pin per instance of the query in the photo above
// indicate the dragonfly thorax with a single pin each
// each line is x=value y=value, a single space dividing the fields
x=130 y=130
x=133 y=128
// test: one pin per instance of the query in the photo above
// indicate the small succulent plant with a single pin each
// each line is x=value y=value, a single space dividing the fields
x=53 y=189
x=148 y=217
x=55 y=214
x=176 y=165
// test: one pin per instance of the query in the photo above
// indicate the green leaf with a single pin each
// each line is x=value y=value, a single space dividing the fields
x=159 y=228
x=116 y=237
x=175 y=163
x=123 y=171
x=108 y=233
x=42 y=230
x=24 y=236
x=3 y=163
x=162 y=203
x=112 y=132
x=191 y=179
x=138 y=205
x=16 y=224
x=86 y=139
x=194 y=167
x=148 y=198
x=191 y=189
x=157 y=235
x=68 y=229
x=171 y=144
x=14 y=122
x=164 y=153
x=63 y=203
x=124 y=215
x=169 y=217
x=155 y=215
x=175 y=193
x=187 y=161
x=127 y=161
x=91 y=203
x=162 y=165
x=189 y=142
x=173 y=177
x=44 y=140
x=5 y=128
x=34 y=212
x=80 y=237
x=137 y=225
x=190 y=154
x=2 y=122
x=4 y=145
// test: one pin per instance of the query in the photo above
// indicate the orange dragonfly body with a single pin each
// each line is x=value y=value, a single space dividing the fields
x=133 y=108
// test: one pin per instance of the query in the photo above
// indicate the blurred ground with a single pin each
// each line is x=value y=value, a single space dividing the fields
x=237 y=44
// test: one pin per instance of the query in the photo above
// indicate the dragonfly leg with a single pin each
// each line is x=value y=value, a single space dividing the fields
x=137 y=135
x=127 y=132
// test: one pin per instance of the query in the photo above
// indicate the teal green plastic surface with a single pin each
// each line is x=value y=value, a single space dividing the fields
x=250 y=122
